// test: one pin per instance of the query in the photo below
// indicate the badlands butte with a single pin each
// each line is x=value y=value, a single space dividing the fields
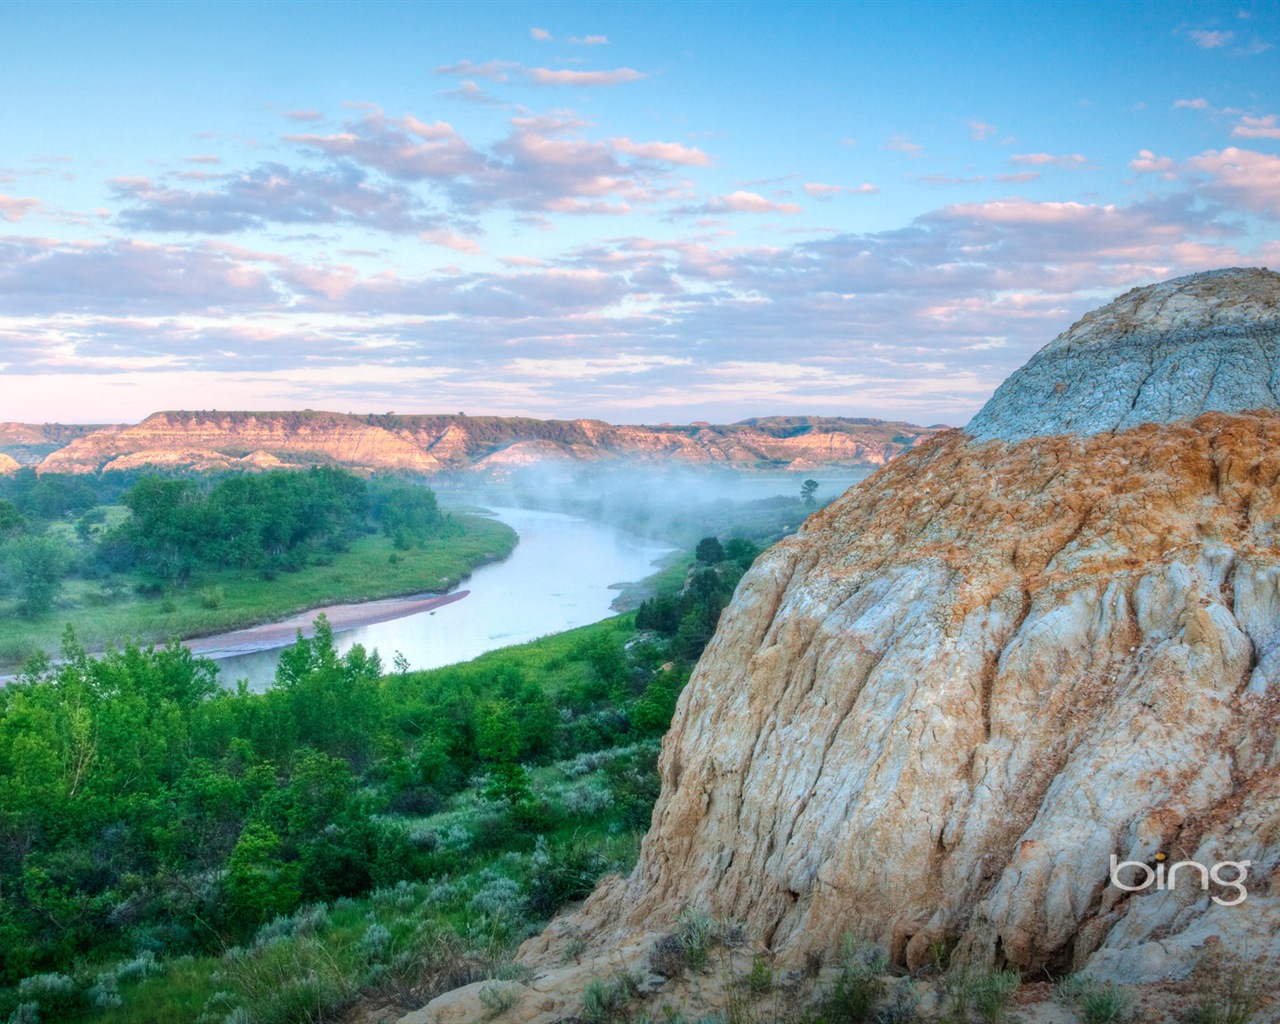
x=429 y=445
x=931 y=717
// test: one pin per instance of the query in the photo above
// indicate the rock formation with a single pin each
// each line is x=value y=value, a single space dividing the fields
x=432 y=444
x=936 y=713
x=8 y=463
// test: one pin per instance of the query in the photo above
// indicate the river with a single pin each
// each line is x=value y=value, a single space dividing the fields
x=564 y=573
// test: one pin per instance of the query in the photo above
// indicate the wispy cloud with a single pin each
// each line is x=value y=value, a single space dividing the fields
x=1257 y=128
x=13 y=208
x=1243 y=178
x=503 y=71
x=542 y=165
x=820 y=191
x=540 y=34
x=902 y=143
x=450 y=240
x=668 y=152
x=1146 y=162
x=1199 y=103
x=469 y=92
x=564 y=76
x=304 y=115
x=1066 y=160
x=740 y=201
x=981 y=130
x=1208 y=39
x=589 y=40
x=272 y=194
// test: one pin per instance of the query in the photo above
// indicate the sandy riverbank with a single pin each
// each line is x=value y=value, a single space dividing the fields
x=270 y=635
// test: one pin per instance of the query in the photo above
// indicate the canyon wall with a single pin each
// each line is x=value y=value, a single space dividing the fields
x=429 y=445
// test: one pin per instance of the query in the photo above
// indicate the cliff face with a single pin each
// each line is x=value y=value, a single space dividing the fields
x=218 y=440
x=937 y=712
x=431 y=444
x=28 y=443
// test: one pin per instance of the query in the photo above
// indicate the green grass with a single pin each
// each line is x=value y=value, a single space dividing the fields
x=369 y=570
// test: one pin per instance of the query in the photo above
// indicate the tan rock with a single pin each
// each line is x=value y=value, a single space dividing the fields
x=937 y=712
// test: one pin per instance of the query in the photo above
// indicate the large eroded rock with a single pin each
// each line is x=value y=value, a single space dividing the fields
x=936 y=712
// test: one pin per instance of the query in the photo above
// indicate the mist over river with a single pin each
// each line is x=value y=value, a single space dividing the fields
x=563 y=573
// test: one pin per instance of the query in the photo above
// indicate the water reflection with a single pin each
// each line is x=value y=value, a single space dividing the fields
x=562 y=574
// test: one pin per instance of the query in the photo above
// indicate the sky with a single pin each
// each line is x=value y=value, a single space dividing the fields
x=638 y=212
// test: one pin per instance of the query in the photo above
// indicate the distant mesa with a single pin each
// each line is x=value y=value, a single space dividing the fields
x=428 y=445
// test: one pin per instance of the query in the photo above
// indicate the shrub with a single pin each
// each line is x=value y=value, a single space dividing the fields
x=1106 y=1004
x=290 y=981
x=375 y=943
x=212 y=597
x=141 y=966
x=858 y=986
x=498 y=897
x=602 y=1001
x=563 y=872
x=1229 y=994
x=54 y=993
x=988 y=992
x=991 y=992
x=499 y=997
x=760 y=978
x=696 y=932
x=104 y=994
x=667 y=957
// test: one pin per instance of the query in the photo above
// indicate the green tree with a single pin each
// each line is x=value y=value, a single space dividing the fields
x=36 y=566
x=709 y=551
x=807 y=490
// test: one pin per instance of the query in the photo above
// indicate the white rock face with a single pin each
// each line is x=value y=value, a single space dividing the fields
x=1204 y=343
x=937 y=712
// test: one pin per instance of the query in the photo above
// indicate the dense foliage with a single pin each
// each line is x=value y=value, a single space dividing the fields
x=688 y=618
x=152 y=532
x=148 y=812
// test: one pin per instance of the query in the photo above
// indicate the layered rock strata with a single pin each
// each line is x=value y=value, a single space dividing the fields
x=432 y=444
x=936 y=713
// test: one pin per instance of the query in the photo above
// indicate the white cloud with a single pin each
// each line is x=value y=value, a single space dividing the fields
x=901 y=143
x=1257 y=128
x=1210 y=40
x=13 y=208
x=1066 y=160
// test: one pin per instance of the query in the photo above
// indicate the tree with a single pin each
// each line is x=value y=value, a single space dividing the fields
x=36 y=565
x=709 y=551
x=807 y=490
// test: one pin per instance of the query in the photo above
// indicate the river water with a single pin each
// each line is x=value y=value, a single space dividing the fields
x=564 y=573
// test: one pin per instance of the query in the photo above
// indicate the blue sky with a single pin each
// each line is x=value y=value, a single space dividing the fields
x=638 y=212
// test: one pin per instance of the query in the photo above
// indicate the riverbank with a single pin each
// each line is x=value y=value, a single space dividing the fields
x=352 y=615
x=370 y=570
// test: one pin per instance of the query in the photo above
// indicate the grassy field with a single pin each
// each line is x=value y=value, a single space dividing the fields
x=216 y=602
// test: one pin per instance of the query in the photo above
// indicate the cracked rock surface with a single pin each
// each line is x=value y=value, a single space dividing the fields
x=935 y=713
x=1205 y=343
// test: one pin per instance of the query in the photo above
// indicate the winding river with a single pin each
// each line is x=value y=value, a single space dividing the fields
x=564 y=573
